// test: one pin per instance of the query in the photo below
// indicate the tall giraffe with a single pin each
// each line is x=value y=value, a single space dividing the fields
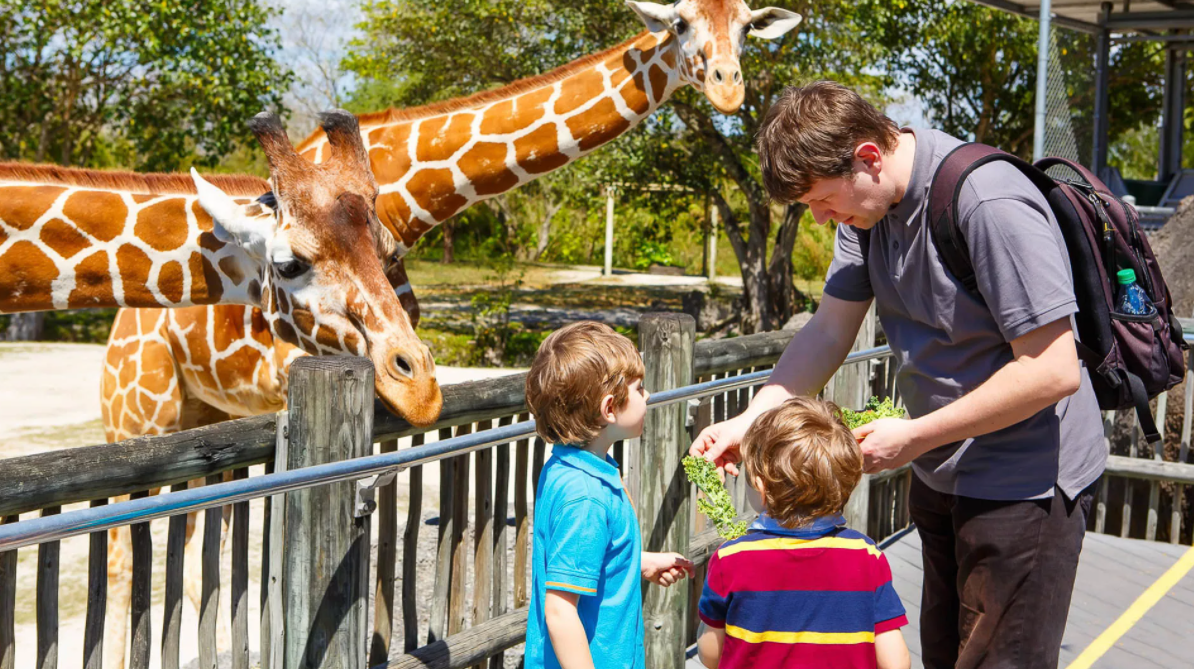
x=432 y=162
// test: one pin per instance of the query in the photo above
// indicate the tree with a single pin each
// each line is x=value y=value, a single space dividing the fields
x=150 y=85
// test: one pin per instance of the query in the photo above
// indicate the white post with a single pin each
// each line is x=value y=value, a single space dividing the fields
x=1042 y=82
x=609 y=231
x=713 y=214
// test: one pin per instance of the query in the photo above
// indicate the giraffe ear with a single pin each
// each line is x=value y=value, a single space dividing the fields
x=772 y=22
x=231 y=223
x=655 y=16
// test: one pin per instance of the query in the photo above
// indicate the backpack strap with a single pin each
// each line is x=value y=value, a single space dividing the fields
x=943 y=216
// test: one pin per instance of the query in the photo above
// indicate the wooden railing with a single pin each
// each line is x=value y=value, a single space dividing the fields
x=483 y=510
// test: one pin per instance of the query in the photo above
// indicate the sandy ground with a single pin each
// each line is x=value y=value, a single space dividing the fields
x=49 y=401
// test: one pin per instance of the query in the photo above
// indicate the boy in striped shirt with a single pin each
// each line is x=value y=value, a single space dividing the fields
x=800 y=589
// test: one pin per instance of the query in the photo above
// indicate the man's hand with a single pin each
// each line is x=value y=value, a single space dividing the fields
x=719 y=442
x=666 y=568
x=887 y=443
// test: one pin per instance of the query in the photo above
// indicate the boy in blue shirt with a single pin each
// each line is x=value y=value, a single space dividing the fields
x=585 y=390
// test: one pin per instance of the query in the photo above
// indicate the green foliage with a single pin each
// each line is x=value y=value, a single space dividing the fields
x=814 y=249
x=492 y=329
x=874 y=410
x=716 y=504
x=151 y=85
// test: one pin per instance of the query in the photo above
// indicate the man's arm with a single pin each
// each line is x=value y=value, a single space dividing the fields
x=807 y=364
x=567 y=633
x=1044 y=371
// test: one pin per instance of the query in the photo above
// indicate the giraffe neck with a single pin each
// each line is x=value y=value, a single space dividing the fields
x=70 y=246
x=433 y=162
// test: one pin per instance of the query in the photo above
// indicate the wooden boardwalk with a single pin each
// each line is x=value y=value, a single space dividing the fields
x=1112 y=575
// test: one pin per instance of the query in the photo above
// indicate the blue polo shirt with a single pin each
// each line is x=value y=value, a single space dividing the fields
x=587 y=541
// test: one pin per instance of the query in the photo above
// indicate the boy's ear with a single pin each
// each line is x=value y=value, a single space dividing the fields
x=608 y=411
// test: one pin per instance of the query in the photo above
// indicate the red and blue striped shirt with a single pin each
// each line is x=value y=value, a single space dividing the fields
x=812 y=597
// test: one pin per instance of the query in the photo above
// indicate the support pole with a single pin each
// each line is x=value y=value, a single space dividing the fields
x=1098 y=152
x=1042 y=82
x=326 y=568
x=1170 y=155
x=664 y=503
x=609 y=232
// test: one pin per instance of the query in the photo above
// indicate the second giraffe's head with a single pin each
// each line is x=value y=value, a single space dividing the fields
x=710 y=35
x=317 y=246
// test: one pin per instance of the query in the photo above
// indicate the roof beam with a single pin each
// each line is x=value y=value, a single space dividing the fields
x=1182 y=18
x=1021 y=10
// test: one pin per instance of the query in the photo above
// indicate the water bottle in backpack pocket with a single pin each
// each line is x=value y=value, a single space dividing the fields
x=1130 y=298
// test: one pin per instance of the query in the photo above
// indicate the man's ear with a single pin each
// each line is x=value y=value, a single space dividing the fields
x=870 y=155
x=231 y=223
x=655 y=16
x=772 y=22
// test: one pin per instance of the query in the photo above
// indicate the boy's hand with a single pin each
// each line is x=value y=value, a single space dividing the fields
x=666 y=568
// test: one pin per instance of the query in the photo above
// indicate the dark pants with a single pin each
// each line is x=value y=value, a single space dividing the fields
x=997 y=577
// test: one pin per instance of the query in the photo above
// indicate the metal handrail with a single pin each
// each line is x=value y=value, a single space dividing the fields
x=85 y=521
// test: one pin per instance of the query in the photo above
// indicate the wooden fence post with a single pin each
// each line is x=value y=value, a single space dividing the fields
x=850 y=388
x=326 y=566
x=664 y=502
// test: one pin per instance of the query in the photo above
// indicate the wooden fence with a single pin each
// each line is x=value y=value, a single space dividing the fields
x=482 y=510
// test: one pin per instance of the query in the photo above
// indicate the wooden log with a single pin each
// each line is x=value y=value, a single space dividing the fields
x=209 y=602
x=522 y=521
x=8 y=603
x=410 y=555
x=172 y=612
x=326 y=573
x=500 y=533
x=469 y=647
x=663 y=508
x=387 y=547
x=240 y=580
x=47 y=599
x=97 y=597
x=460 y=488
x=483 y=533
x=438 y=625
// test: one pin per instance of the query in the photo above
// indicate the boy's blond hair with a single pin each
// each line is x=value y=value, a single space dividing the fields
x=575 y=367
x=808 y=460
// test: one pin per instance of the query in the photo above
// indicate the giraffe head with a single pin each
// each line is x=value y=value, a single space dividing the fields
x=318 y=244
x=710 y=35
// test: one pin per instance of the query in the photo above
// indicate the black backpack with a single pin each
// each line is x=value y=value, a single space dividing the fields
x=1131 y=358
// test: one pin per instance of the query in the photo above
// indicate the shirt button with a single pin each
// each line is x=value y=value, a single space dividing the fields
x=896 y=245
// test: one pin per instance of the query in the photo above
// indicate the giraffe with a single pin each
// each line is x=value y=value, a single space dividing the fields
x=432 y=162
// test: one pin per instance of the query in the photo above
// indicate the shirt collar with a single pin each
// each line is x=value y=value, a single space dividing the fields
x=605 y=469
x=817 y=528
x=922 y=176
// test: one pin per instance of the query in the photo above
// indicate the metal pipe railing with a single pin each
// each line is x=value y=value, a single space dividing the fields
x=95 y=519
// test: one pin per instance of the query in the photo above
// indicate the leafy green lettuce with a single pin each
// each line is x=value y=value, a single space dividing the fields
x=874 y=410
x=716 y=504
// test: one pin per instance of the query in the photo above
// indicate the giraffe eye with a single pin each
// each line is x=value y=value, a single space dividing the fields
x=680 y=27
x=291 y=269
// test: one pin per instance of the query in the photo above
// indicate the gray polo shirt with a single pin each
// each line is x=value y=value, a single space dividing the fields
x=948 y=341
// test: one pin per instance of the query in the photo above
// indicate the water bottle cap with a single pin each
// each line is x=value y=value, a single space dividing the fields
x=1126 y=276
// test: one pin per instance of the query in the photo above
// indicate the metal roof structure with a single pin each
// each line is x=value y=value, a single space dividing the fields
x=1144 y=17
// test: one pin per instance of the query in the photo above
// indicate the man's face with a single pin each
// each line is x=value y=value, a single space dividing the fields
x=860 y=199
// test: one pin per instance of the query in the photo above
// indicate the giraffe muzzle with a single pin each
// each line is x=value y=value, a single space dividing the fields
x=407 y=385
x=724 y=86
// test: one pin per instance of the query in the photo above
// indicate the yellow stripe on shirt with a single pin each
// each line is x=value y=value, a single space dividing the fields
x=825 y=638
x=791 y=543
x=569 y=586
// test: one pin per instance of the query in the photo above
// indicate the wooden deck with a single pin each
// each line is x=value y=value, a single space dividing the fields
x=1112 y=575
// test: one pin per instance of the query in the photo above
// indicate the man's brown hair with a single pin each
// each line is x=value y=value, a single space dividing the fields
x=575 y=367
x=810 y=134
x=807 y=458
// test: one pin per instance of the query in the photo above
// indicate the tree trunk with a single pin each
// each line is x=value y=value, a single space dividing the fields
x=785 y=299
x=449 y=227
x=26 y=326
x=545 y=229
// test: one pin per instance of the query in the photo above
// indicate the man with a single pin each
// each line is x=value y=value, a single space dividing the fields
x=1005 y=438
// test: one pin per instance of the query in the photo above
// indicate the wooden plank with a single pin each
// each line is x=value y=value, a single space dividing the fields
x=47 y=599
x=8 y=602
x=664 y=512
x=1101 y=502
x=97 y=597
x=438 y=625
x=209 y=602
x=469 y=647
x=851 y=387
x=460 y=489
x=1154 y=488
x=172 y=612
x=483 y=533
x=537 y=457
x=387 y=547
x=410 y=555
x=142 y=594
x=1175 y=520
x=240 y=580
x=522 y=521
x=265 y=635
x=500 y=535
x=1140 y=468
x=325 y=592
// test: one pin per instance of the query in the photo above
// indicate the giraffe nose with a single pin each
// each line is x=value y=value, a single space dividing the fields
x=402 y=366
x=723 y=74
x=724 y=87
